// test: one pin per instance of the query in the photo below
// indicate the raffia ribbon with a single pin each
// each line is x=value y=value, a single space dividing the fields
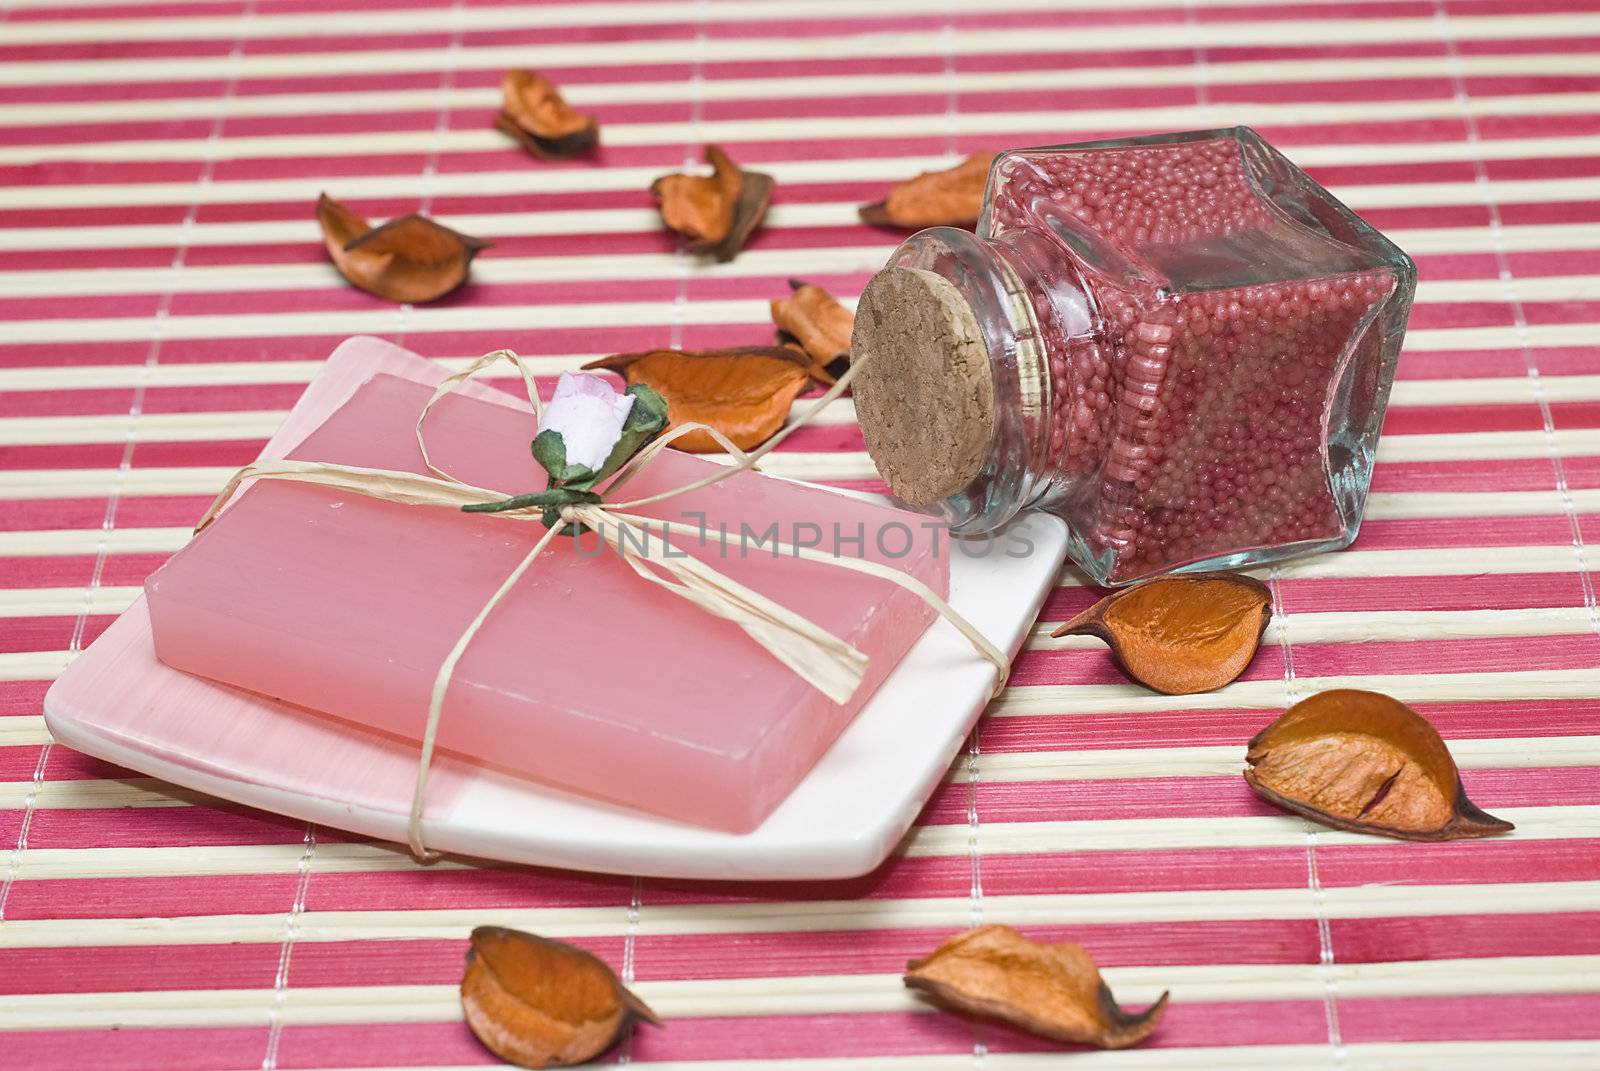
x=824 y=661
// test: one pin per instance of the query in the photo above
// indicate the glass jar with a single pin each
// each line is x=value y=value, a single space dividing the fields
x=1181 y=345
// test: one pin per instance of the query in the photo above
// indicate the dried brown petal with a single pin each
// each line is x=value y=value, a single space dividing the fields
x=1181 y=634
x=340 y=226
x=715 y=213
x=813 y=320
x=535 y=1002
x=745 y=393
x=410 y=258
x=539 y=120
x=1054 y=991
x=1365 y=762
x=951 y=198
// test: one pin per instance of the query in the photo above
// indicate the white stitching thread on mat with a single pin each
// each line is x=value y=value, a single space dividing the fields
x=974 y=759
x=1508 y=287
x=683 y=265
x=952 y=86
x=1325 y=960
x=974 y=849
x=1202 y=71
x=630 y=944
x=14 y=861
x=441 y=129
x=291 y=931
x=1319 y=898
x=952 y=155
x=682 y=268
x=30 y=802
x=108 y=522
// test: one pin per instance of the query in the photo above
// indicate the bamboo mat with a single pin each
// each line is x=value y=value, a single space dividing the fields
x=164 y=297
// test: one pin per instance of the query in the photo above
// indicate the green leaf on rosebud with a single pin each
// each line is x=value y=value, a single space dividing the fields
x=550 y=499
x=573 y=484
x=550 y=451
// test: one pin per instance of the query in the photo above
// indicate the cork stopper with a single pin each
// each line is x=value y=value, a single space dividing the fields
x=924 y=394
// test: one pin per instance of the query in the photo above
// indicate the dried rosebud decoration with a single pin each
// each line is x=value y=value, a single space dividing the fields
x=1364 y=762
x=587 y=432
x=538 y=1003
x=1054 y=991
x=536 y=117
x=745 y=393
x=588 y=413
x=714 y=214
x=950 y=198
x=815 y=322
x=1181 y=634
x=408 y=259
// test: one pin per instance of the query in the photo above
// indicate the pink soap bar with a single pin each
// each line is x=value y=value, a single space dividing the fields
x=586 y=676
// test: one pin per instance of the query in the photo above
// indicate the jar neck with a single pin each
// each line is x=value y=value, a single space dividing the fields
x=1030 y=303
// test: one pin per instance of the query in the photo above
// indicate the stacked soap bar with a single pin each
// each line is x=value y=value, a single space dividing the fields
x=586 y=676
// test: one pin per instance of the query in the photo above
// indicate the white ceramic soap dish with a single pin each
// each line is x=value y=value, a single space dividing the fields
x=119 y=703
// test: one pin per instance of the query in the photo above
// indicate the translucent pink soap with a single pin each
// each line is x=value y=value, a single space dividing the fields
x=586 y=677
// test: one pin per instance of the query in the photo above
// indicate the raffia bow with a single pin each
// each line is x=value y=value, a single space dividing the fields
x=824 y=661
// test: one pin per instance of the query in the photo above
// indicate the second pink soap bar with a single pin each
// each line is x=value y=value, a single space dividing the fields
x=586 y=677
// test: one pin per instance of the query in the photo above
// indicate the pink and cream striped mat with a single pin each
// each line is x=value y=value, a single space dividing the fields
x=164 y=296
